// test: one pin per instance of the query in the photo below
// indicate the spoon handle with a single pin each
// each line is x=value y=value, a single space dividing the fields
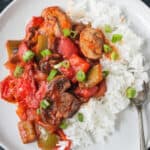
x=141 y=128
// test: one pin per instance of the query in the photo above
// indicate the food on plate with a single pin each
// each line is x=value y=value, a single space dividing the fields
x=66 y=77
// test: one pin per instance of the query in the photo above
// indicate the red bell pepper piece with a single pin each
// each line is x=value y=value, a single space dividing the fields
x=86 y=92
x=35 y=22
x=22 y=49
x=67 y=47
x=78 y=63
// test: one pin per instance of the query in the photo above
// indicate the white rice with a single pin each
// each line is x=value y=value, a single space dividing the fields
x=99 y=116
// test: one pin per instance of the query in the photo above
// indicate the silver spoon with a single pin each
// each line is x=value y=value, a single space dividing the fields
x=139 y=101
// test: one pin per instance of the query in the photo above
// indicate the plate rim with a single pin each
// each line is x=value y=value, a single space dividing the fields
x=139 y=3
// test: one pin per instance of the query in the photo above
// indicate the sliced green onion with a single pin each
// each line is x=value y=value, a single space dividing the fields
x=80 y=76
x=38 y=111
x=52 y=74
x=28 y=55
x=108 y=28
x=73 y=34
x=18 y=71
x=64 y=64
x=66 y=32
x=63 y=125
x=107 y=48
x=105 y=73
x=44 y=104
x=80 y=117
x=130 y=92
x=116 y=38
x=45 y=52
x=114 y=56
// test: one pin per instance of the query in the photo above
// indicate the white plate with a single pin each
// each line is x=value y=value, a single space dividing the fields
x=12 y=25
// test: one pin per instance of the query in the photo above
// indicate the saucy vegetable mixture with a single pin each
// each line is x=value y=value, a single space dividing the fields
x=53 y=71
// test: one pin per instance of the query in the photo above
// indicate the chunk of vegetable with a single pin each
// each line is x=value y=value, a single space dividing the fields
x=47 y=141
x=80 y=117
x=22 y=49
x=67 y=48
x=44 y=104
x=94 y=76
x=65 y=64
x=86 y=92
x=68 y=32
x=35 y=22
x=52 y=74
x=131 y=92
x=27 y=131
x=105 y=73
x=114 y=56
x=107 y=48
x=108 y=28
x=42 y=43
x=18 y=71
x=63 y=125
x=45 y=52
x=12 y=47
x=78 y=63
x=28 y=55
x=116 y=38
x=80 y=76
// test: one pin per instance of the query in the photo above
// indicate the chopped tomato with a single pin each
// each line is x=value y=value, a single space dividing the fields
x=67 y=48
x=35 y=22
x=86 y=92
x=79 y=63
x=22 y=49
x=6 y=89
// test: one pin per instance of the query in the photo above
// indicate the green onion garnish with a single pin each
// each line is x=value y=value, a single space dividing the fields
x=116 y=38
x=18 y=71
x=44 y=104
x=80 y=76
x=105 y=73
x=114 y=56
x=45 y=52
x=80 y=117
x=38 y=111
x=28 y=55
x=52 y=74
x=64 y=64
x=130 y=92
x=73 y=34
x=68 y=32
x=108 y=28
x=63 y=125
x=107 y=48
